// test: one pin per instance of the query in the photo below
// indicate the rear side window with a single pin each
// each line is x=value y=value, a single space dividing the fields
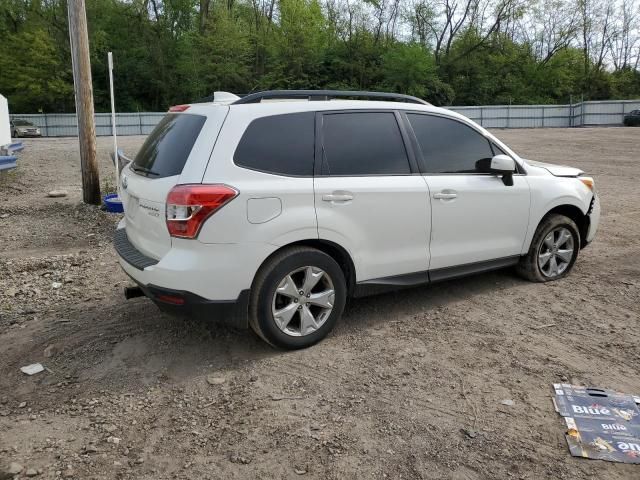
x=449 y=146
x=166 y=149
x=280 y=144
x=363 y=144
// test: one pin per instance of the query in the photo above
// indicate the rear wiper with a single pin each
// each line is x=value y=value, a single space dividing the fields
x=144 y=170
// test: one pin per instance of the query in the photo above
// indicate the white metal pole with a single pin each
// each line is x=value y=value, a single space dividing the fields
x=113 y=123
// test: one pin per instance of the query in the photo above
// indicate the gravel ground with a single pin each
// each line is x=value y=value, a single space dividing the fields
x=409 y=385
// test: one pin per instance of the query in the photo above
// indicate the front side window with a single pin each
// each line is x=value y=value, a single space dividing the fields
x=498 y=151
x=363 y=143
x=279 y=144
x=449 y=146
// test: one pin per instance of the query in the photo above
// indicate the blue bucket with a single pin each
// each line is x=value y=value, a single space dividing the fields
x=113 y=203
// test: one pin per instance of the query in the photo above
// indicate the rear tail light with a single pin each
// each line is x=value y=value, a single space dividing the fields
x=188 y=206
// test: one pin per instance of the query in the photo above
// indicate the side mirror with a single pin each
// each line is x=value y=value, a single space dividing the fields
x=499 y=165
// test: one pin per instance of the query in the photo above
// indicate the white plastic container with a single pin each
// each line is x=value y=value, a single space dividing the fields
x=5 y=129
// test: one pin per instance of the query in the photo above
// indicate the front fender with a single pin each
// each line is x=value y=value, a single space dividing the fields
x=547 y=194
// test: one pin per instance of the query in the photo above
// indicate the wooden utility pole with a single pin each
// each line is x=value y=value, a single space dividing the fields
x=83 y=89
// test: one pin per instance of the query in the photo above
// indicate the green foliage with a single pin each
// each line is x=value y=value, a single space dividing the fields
x=177 y=51
x=33 y=76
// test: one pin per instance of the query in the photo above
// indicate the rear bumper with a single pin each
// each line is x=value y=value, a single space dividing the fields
x=210 y=281
x=182 y=303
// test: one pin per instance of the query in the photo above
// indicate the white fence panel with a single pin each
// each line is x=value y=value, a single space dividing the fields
x=604 y=113
x=608 y=112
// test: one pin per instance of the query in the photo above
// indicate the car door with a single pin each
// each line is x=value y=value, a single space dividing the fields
x=369 y=196
x=475 y=217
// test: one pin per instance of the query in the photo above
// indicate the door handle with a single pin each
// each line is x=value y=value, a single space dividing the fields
x=337 y=197
x=446 y=195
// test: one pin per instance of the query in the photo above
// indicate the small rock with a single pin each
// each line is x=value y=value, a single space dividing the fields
x=239 y=459
x=22 y=404
x=508 y=402
x=212 y=380
x=50 y=351
x=300 y=471
x=110 y=428
x=140 y=460
x=14 y=468
x=57 y=193
x=90 y=449
x=4 y=215
x=114 y=440
x=56 y=285
x=68 y=473
x=469 y=433
x=31 y=472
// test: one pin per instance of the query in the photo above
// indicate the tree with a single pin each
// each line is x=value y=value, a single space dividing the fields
x=462 y=51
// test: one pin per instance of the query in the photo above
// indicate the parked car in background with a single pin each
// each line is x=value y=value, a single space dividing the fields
x=272 y=214
x=22 y=128
x=632 y=119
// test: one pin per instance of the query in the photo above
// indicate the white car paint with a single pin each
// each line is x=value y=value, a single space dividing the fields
x=485 y=220
x=390 y=225
x=368 y=215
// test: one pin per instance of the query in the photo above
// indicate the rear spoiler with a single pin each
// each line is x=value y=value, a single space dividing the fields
x=123 y=160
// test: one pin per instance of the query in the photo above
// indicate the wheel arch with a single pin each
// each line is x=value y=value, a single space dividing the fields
x=574 y=213
x=335 y=251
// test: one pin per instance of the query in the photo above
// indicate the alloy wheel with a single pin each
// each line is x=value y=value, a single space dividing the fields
x=556 y=252
x=303 y=301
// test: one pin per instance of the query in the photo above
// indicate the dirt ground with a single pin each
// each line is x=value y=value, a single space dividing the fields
x=408 y=386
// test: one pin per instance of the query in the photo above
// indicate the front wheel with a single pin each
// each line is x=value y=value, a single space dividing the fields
x=553 y=250
x=297 y=298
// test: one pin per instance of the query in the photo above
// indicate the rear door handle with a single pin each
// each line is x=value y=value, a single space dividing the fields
x=446 y=195
x=337 y=197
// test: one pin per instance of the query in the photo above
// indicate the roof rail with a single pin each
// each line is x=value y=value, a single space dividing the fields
x=325 y=95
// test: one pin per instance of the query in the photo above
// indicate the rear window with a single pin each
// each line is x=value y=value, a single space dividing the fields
x=166 y=149
x=280 y=144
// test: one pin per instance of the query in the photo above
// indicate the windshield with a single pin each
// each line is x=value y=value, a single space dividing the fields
x=22 y=123
x=167 y=148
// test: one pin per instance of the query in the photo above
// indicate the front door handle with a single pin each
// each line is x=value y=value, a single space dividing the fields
x=337 y=197
x=446 y=195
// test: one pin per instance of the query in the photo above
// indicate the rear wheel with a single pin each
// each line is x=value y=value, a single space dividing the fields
x=553 y=250
x=297 y=297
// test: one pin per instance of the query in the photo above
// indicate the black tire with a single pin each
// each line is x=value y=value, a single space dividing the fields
x=267 y=280
x=528 y=267
x=16 y=134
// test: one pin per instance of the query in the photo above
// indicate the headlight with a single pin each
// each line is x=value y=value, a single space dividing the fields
x=588 y=181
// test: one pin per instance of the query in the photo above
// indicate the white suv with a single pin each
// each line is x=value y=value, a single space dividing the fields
x=270 y=211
